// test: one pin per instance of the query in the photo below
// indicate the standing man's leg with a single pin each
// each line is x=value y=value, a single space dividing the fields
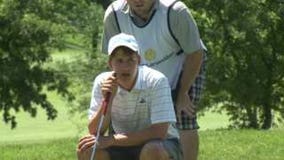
x=190 y=144
x=189 y=127
x=189 y=137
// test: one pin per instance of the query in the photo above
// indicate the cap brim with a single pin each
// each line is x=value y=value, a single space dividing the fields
x=122 y=45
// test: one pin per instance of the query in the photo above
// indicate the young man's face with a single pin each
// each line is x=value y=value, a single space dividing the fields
x=141 y=7
x=124 y=63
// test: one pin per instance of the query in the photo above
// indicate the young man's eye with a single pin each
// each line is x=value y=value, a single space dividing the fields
x=131 y=60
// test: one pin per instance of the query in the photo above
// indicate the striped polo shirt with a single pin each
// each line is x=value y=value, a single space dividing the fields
x=149 y=102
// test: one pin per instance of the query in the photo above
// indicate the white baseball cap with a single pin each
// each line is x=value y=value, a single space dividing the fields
x=122 y=39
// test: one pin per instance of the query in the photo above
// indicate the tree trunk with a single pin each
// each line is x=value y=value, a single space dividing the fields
x=267 y=115
x=252 y=116
x=267 y=103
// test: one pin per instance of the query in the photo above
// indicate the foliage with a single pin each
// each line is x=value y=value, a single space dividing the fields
x=246 y=58
x=85 y=66
x=104 y=3
x=82 y=72
x=29 y=30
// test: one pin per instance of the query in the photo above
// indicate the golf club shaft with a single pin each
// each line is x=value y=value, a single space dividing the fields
x=97 y=137
x=104 y=109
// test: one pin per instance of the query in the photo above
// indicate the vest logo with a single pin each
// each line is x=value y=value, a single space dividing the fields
x=150 y=55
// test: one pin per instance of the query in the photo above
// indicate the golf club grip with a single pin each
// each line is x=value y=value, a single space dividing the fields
x=105 y=102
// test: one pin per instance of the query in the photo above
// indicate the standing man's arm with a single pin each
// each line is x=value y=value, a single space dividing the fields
x=190 y=71
x=186 y=32
x=189 y=40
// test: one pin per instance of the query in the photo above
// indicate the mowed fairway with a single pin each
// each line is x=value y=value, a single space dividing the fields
x=39 y=129
x=241 y=145
x=37 y=138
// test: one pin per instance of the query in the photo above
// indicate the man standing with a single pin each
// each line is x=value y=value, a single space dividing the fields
x=169 y=41
x=141 y=110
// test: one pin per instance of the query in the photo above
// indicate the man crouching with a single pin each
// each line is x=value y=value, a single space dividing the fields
x=140 y=110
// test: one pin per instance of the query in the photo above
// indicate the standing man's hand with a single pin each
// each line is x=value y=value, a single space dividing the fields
x=185 y=105
x=190 y=71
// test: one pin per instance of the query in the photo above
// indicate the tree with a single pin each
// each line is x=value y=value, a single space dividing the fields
x=104 y=3
x=90 y=63
x=29 y=31
x=246 y=58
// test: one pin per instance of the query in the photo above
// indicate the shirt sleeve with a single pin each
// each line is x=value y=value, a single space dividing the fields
x=110 y=28
x=162 y=109
x=185 y=28
x=96 y=98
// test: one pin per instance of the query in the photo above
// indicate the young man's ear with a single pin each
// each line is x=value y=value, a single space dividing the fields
x=139 y=58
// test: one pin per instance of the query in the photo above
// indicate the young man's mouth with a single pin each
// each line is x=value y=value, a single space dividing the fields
x=124 y=74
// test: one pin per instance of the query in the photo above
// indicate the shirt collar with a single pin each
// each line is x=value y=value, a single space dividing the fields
x=138 y=83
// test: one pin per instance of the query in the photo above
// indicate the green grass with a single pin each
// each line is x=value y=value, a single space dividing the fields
x=37 y=138
x=61 y=149
x=214 y=145
x=39 y=129
x=241 y=144
x=212 y=120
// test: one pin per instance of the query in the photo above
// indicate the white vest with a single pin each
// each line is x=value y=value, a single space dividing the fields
x=157 y=46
